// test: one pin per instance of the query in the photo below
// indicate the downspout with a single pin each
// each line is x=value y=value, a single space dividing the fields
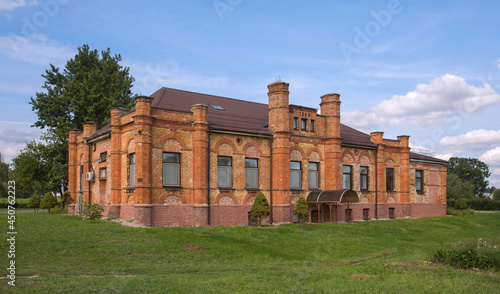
x=90 y=168
x=208 y=176
x=376 y=183
x=271 y=179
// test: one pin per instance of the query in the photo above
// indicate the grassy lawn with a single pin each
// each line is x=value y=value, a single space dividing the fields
x=61 y=254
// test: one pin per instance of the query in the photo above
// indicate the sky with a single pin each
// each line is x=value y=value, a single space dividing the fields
x=427 y=69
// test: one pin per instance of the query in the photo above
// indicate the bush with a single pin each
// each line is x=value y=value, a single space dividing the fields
x=301 y=210
x=484 y=204
x=478 y=253
x=34 y=202
x=49 y=201
x=92 y=211
x=461 y=204
x=455 y=212
x=259 y=208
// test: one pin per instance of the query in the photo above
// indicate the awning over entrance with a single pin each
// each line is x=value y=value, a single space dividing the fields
x=332 y=196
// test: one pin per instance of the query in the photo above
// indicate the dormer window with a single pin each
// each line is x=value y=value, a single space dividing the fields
x=217 y=107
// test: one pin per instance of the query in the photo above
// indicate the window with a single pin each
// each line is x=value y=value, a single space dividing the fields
x=224 y=172
x=313 y=176
x=363 y=178
x=389 y=179
x=171 y=169
x=217 y=107
x=295 y=175
x=366 y=213
x=131 y=170
x=295 y=123
x=391 y=213
x=303 y=124
x=81 y=177
x=419 y=183
x=102 y=174
x=346 y=177
x=312 y=125
x=348 y=215
x=102 y=156
x=251 y=173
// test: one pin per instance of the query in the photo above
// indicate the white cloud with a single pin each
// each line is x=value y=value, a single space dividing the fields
x=13 y=4
x=151 y=77
x=491 y=157
x=498 y=63
x=428 y=104
x=37 y=49
x=473 y=140
x=13 y=140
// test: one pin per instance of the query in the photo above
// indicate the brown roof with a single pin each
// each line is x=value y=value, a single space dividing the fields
x=241 y=116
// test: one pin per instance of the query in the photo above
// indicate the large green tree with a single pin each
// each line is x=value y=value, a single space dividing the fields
x=457 y=188
x=31 y=170
x=473 y=170
x=88 y=87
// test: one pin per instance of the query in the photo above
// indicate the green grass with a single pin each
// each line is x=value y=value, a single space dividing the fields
x=61 y=254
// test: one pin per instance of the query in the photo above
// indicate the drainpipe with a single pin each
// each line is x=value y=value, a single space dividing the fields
x=376 y=183
x=271 y=179
x=208 y=176
x=90 y=168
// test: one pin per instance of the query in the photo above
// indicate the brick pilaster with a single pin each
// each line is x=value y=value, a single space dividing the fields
x=200 y=154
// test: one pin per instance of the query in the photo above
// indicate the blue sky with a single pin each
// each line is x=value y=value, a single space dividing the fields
x=428 y=69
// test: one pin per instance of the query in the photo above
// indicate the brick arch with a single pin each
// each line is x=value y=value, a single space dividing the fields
x=221 y=195
x=391 y=199
x=173 y=199
x=364 y=159
x=389 y=163
x=250 y=198
x=227 y=141
x=172 y=145
x=131 y=146
x=252 y=148
x=81 y=159
x=293 y=199
x=363 y=199
x=296 y=155
x=348 y=157
x=172 y=136
x=225 y=150
x=130 y=199
x=314 y=156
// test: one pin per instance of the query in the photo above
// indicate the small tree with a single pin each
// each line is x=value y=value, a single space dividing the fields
x=496 y=194
x=49 y=201
x=461 y=204
x=34 y=202
x=65 y=199
x=259 y=208
x=301 y=211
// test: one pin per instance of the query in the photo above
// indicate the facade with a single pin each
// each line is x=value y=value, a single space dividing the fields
x=180 y=158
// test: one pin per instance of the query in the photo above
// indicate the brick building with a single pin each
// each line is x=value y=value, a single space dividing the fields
x=180 y=158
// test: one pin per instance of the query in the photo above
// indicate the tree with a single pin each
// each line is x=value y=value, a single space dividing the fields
x=30 y=170
x=457 y=188
x=65 y=199
x=49 y=201
x=90 y=85
x=496 y=194
x=4 y=177
x=34 y=202
x=473 y=170
x=301 y=211
x=259 y=208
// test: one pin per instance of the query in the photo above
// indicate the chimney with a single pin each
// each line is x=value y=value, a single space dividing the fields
x=279 y=118
x=143 y=105
x=330 y=108
x=89 y=128
x=377 y=137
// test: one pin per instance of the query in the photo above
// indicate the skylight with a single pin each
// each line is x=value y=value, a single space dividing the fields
x=217 y=107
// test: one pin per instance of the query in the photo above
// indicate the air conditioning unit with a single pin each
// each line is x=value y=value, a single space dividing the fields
x=90 y=176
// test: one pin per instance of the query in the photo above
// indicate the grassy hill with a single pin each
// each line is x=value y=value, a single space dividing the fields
x=61 y=254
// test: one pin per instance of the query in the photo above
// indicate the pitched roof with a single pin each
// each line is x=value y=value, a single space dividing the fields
x=241 y=116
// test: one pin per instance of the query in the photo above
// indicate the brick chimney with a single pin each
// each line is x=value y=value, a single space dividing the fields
x=278 y=107
x=330 y=108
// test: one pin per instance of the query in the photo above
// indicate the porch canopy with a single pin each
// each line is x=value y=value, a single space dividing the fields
x=332 y=196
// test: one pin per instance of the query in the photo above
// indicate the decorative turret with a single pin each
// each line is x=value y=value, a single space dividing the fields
x=278 y=107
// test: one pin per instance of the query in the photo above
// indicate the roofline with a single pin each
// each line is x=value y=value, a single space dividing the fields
x=102 y=137
x=438 y=161
x=359 y=145
x=241 y=133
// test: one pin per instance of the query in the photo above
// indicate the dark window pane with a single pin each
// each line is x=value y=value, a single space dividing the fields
x=250 y=162
x=224 y=161
x=170 y=157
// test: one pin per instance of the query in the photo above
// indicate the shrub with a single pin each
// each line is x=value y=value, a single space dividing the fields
x=483 y=204
x=455 y=212
x=461 y=204
x=472 y=254
x=34 y=202
x=259 y=208
x=66 y=198
x=49 y=201
x=302 y=211
x=92 y=211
